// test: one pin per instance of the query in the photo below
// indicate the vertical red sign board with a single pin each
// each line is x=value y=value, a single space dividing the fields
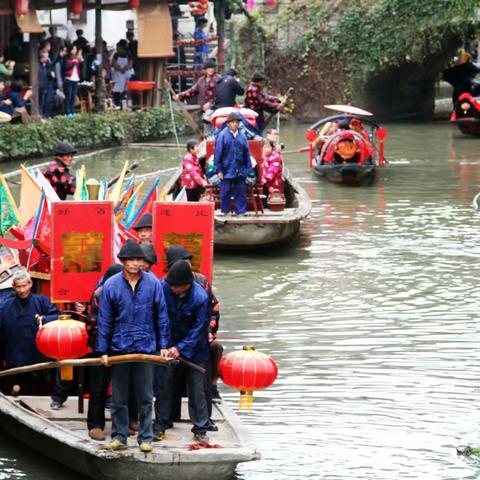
x=189 y=224
x=82 y=248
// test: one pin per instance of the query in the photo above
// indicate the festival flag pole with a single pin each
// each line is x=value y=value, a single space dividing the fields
x=35 y=228
x=144 y=202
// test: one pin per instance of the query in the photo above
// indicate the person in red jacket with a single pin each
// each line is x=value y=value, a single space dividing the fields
x=257 y=100
x=192 y=174
x=272 y=168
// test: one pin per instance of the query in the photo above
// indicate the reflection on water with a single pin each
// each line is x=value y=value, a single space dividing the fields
x=371 y=316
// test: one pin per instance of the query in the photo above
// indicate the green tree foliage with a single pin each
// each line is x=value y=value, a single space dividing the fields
x=373 y=35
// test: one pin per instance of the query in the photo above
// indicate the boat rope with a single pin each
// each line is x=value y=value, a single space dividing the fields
x=172 y=117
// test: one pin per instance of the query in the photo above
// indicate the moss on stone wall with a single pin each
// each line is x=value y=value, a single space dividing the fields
x=359 y=42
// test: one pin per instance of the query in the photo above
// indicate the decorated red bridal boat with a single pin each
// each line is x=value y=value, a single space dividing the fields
x=346 y=148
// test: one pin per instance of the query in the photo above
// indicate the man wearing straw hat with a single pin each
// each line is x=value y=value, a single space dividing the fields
x=132 y=318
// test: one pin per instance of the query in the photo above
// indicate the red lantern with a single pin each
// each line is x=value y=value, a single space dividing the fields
x=75 y=7
x=247 y=370
x=133 y=4
x=64 y=338
x=21 y=7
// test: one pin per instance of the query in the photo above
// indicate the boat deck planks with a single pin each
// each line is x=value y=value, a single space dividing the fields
x=178 y=437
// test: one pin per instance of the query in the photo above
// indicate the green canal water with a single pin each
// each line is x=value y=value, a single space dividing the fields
x=372 y=316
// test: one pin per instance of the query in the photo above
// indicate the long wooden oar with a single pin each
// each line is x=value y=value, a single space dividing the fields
x=190 y=120
x=115 y=179
x=95 y=362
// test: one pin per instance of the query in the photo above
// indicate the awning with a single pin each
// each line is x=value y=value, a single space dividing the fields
x=154 y=31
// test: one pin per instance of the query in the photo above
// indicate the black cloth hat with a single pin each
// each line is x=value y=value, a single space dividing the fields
x=112 y=270
x=130 y=250
x=180 y=273
x=145 y=221
x=149 y=252
x=64 y=148
x=258 y=77
x=234 y=116
x=210 y=63
x=177 y=252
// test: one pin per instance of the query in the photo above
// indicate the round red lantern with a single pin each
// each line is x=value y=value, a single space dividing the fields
x=61 y=339
x=75 y=7
x=247 y=370
x=133 y=4
x=21 y=7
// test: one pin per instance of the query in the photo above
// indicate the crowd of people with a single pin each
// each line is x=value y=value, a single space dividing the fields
x=63 y=68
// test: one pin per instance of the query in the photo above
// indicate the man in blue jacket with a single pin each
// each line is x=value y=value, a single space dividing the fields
x=232 y=165
x=19 y=320
x=132 y=318
x=20 y=316
x=188 y=309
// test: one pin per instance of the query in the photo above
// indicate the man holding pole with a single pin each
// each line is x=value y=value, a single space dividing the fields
x=188 y=308
x=20 y=317
x=132 y=318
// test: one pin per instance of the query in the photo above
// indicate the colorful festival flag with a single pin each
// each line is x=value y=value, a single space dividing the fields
x=126 y=196
x=131 y=207
x=147 y=204
x=9 y=214
x=30 y=194
x=117 y=190
x=81 y=192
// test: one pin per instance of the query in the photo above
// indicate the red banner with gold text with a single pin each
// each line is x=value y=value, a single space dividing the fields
x=82 y=248
x=189 y=224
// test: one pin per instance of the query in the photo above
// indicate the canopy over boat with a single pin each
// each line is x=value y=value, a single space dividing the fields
x=350 y=109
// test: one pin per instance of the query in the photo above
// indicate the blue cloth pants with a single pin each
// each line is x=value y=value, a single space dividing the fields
x=46 y=101
x=237 y=188
x=71 y=89
x=142 y=375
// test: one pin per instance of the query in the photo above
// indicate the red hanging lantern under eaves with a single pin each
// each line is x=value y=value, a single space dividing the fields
x=75 y=7
x=21 y=7
x=133 y=4
x=61 y=339
x=247 y=370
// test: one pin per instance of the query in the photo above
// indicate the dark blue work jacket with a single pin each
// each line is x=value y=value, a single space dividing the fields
x=132 y=321
x=189 y=321
x=232 y=155
x=18 y=328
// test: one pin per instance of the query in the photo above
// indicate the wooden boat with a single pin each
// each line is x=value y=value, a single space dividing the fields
x=346 y=156
x=62 y=436
x=258 y=229
x=466 y=114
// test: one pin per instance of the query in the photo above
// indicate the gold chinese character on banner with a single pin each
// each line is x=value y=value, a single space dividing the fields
x=82 y=252
x=191 y=241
